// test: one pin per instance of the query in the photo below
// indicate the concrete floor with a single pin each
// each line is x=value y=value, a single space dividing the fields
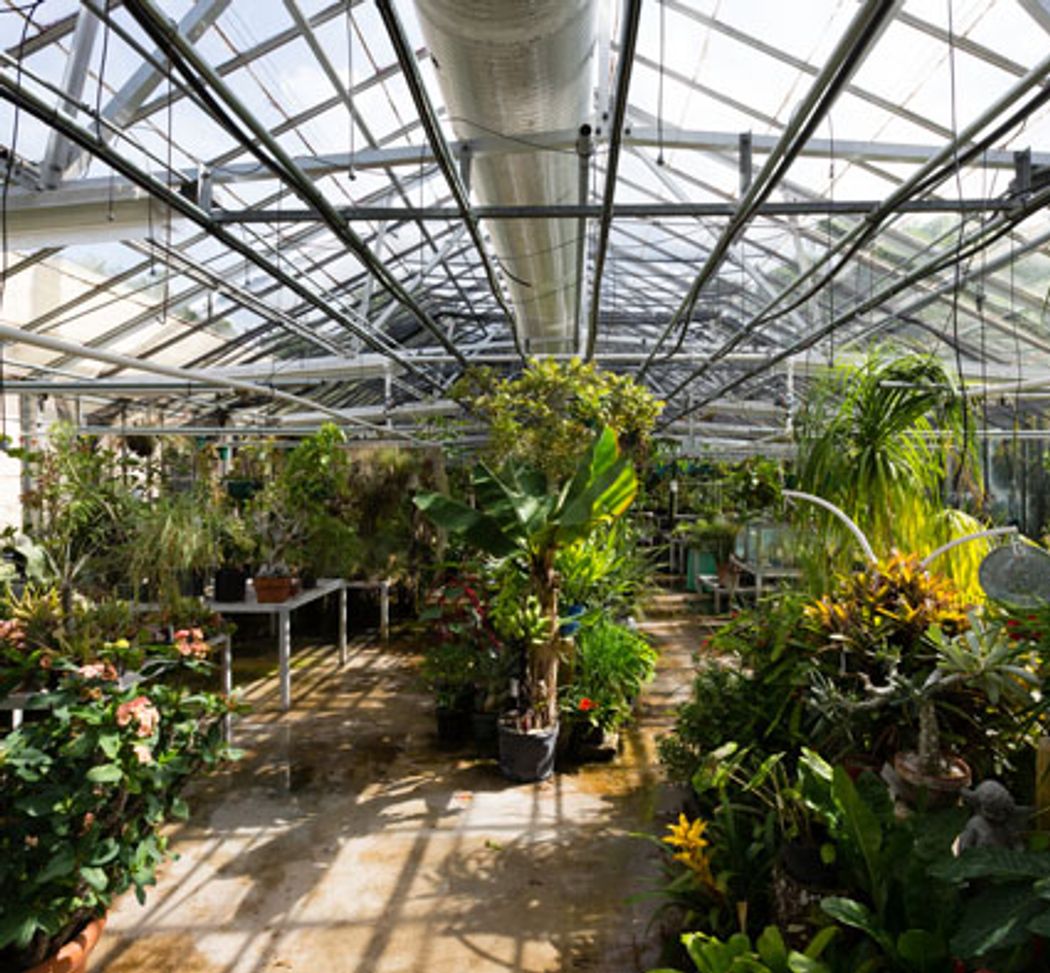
x=347 y=842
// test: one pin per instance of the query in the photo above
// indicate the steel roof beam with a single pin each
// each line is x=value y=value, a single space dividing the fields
x=357 y=119
x=974 y=243
x=204 y=80
x=122 y=107
x=631 y=15
x=854 y=45
x=18 y=95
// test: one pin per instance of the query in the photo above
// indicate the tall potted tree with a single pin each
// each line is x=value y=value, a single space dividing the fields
x=519 y=517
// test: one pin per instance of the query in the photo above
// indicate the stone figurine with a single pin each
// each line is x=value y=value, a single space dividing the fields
x=996 y=821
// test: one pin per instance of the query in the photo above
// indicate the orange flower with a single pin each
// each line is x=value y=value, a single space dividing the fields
x=586 y=705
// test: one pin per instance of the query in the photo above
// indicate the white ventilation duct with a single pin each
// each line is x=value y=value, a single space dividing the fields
x=515 y=67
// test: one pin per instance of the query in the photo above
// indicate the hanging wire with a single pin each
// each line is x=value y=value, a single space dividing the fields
x=13 y=151
x=111 y=182
x=957 y=267
x=351 y=175
x=830 y=234
x=660 y=88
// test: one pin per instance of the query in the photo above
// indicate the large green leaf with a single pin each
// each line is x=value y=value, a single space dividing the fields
x=995 y=918
x=862 y=827
x=770 y=946
x=483 y=531
x=993 y=863
x=852 y=913
x=926 y=952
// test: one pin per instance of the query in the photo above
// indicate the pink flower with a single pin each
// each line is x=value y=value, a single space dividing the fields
x=191 y=643
x=97 y=670
x=141 y=710
x=87 y=823
x=143 y=753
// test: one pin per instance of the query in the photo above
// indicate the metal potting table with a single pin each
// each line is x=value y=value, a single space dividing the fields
x=281 y=612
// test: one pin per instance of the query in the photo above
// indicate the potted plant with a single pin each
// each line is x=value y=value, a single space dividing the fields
x=87 y=787
x=236 y=548
x=279 y=530
x=988 y=665
x=521 y=519
x=611 y=664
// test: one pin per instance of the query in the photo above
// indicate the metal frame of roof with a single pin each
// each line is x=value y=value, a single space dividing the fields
x=251 y=188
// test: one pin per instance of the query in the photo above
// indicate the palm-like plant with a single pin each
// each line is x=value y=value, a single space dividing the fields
x=878 y=441
x=519 y=517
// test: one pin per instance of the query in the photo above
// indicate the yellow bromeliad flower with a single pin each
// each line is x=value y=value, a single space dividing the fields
x=688 y=837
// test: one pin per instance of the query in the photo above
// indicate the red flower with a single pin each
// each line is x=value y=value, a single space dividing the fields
x=586 y=705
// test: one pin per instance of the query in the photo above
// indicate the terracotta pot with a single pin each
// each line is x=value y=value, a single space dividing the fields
x=270 y=591
x=940 y=791
x=73 y=957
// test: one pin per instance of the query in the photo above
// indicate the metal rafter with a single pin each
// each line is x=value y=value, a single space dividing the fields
x=628 y=39
x=864 y=29
x=439 y=145
x=204 y=80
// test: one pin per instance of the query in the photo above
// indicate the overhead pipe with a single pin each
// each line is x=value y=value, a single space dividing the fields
x=442 y=154
x=166 y=36
x=624 y=65
x=30 y=103
x=862 y=31
x=515 y=69
x=954 y=153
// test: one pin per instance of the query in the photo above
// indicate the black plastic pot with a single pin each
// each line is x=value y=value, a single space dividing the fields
x=485 y=730
x=453 y=726
x=231 y=584
x=801 y=860
x=191 y=584
x=527 y=756
x=593 y=744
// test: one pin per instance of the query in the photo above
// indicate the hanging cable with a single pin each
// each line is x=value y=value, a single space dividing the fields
x=831 y=237
x=660 y=86
x=350 y=174
x=957 y=269
x=12 y=151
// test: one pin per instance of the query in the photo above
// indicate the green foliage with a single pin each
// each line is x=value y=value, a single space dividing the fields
x=751 y=683
x=611 y=665
x=607 y=571
x=465 y=663
x=877 y=440
x=541 y=417
x=86 y=789
x=517 y=517
x=768 y=954
x=80 y=508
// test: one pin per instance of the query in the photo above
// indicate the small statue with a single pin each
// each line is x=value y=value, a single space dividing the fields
x=996 y=818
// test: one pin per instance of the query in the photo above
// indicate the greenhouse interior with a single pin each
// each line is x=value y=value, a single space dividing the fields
x=525 y=486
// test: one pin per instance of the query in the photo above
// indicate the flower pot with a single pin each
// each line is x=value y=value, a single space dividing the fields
x=484 y=728
x=242 y=489
x=940 y=791
x=527 y=755
x=308 y=581
x=231 y=584
x=73 y=957
x=593 y=743
x=453 y=726
x=571 y=624
x=270 y=591
x=801 y=860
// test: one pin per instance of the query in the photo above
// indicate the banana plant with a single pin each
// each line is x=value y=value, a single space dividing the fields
x=518 y=516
